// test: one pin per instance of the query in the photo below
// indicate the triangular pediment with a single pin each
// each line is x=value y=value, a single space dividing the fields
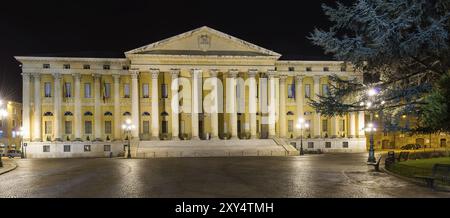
x=203 y=41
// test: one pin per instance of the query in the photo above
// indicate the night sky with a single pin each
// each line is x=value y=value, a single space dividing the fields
x=40 y=27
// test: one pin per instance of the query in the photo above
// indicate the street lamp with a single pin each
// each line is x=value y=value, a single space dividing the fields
x=372 y=92
x=371 y=130
x=20 y=134
x=127 y=127
x=301 y=125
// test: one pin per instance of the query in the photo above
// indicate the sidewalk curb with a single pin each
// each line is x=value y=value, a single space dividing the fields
x=9 y=170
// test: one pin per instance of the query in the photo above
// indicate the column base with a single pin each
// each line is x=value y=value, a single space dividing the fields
x=253 y=137
x=215 y=138
x=351 y=136
x=37 y=140
x=154 y=138
x=317 y=136
x=97 y=140
x=58 y=140
x=77 y=140
x=175 y=138
x=196 y=138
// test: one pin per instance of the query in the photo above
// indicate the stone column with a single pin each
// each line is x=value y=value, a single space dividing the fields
x=352 y=122
x=215 y=113
x=272 y=103
x=26 y=106
x=155 y=104
x=252 y=102
x=196 y=101
x=231 y=103
x=97 y=108
x=77 y=106
x=299 y=101
x=57 y=106
x=282 y=105
x=361 y=124
x=334 y=127
x=317 y=119
x=135 y=103
x=37 y=116
x=117 y=115
x=176 y=105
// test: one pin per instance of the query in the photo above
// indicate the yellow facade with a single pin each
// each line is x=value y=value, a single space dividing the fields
x=10 y=138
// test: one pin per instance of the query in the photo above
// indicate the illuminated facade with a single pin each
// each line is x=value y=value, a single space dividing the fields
x=75 y=106
x=10 y=126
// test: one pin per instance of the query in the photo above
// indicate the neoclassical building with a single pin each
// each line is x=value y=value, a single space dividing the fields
x=76 y=106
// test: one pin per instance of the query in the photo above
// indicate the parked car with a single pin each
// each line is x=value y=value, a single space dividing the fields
x=411 y=147
x=12 y=154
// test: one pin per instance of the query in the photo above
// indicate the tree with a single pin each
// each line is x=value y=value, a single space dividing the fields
x=436 y=114
x=401 y=46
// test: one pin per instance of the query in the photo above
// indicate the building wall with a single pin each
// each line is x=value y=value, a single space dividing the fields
x=9 y=140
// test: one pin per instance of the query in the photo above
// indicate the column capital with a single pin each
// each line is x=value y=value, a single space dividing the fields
x=175 y=72
x=195 y=71
x=26 y=76
x=96 y=75
x=283 y=78
x=299 y=77
x=76 y=75
x=233 y=73
x=213 y=72
x=271 y=73
x=56 y=75
x=316 y=78
x=252 y=72
x=134 y=74
x=116 y=77
x=36 y=75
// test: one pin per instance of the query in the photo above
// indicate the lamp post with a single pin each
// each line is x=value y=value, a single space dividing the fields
x=301 y=125
x=3 y=114
x=127 y=127
x=370 y=126
x=19 y=133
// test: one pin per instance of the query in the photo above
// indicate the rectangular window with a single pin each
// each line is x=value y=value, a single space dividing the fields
x=68 y=90
x=14 y=123
x=48 y=127
x=47 y=89
x=88 y=127
x=342 y=126
x=108 y=127
x=325 y=125
x=343 y=69
x=106 y=67
x=307 y=91
x=326 y=69
x=327 y=144
x=126 y=90
x=146 y=127
x=324 y=89
x=87 y=90
x=145 y=90
x=308 y=69
x=46 y=148
x=107 y=148
x=87 y=148
x=290 y=126
x=310 y=144
x=107 y=90
x=291 y=68
x=68 y=127
x=124 y=67
x=86 y=66
x=66 y=66
x=345 y=144
x=164 y=91
x=66 y=148
x=46 y=66
x=291 y=90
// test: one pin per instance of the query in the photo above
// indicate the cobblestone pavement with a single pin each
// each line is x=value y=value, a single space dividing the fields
x=326 y=175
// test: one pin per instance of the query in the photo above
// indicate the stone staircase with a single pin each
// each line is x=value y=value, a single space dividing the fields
x=212 y=148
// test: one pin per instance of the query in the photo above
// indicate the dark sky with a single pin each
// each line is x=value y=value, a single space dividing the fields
x=36 y=27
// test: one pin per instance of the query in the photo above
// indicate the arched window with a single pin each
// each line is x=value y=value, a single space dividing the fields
x=88 y=113
x=146 y=113
x=127 y=113
x=290 y=113
x=68 y=113
x=107 y=113
x=164 y=113
x=48 y=114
